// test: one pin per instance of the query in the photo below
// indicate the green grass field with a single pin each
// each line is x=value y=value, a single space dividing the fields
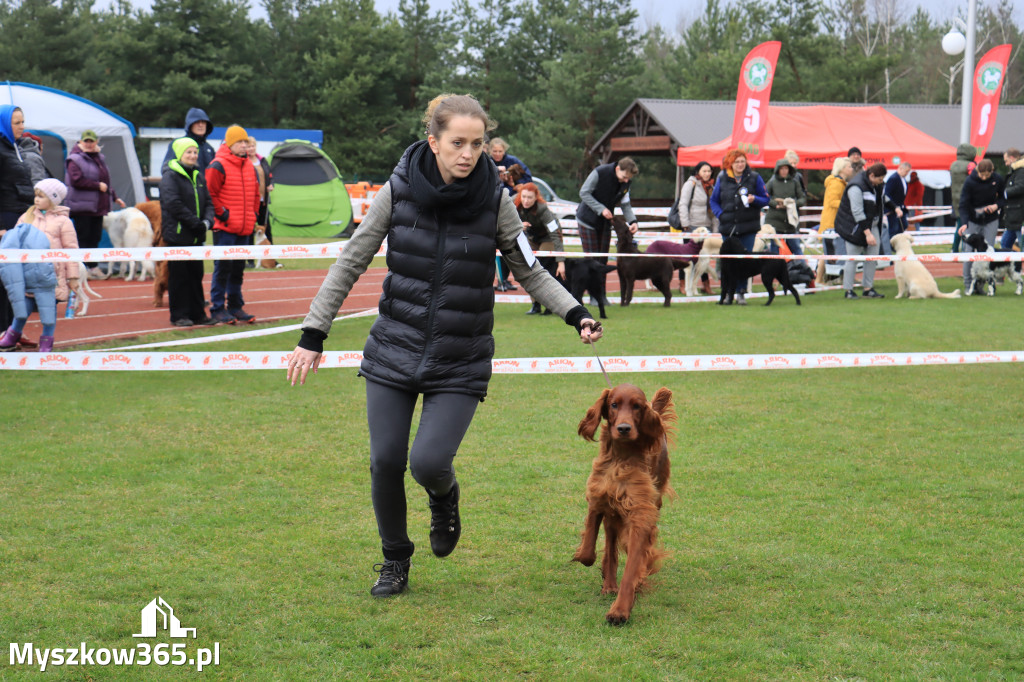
x=830 y=524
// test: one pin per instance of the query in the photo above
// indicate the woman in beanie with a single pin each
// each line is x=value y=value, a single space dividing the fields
x=186 y=213
x=89 y=193
x=443 y=213
x=15 y=184
x=235 y=191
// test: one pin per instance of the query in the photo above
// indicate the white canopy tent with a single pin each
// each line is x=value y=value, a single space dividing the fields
x=59 y=118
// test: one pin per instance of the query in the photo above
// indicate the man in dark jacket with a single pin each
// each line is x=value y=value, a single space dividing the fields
x=859 y=223
x=197 y=126
x=895 y=195
x=606 y=187
x=1013 y=214
x=981 y=206
x=958 y=172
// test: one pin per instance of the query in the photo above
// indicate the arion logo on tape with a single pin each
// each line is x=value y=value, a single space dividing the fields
x=236 y=359
x=116 y=360
x=54 y=360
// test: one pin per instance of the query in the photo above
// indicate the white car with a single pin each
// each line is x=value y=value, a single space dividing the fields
x=560 y=207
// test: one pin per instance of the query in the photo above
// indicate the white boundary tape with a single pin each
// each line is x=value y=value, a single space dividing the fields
x=278 y=360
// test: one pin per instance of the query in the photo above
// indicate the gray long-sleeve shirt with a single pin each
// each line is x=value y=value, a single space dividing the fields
x=587 y=195
x=367 y=239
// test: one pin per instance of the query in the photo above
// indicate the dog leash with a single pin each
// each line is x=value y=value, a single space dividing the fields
x=596 y=327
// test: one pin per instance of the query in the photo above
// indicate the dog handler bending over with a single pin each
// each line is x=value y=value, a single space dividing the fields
x=443 y=212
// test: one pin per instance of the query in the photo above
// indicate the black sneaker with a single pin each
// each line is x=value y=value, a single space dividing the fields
x=445 y=525
x=241 y=315
x=182 y=322
x=222 y=316
x=849 y=294
x=871 y=293
x=393 y=578
x=207 y=322
x=535 y=310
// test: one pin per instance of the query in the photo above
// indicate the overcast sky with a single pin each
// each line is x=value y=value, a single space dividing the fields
x=672 y=13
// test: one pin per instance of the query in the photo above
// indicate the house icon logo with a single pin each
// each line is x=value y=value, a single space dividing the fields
x=170 y=622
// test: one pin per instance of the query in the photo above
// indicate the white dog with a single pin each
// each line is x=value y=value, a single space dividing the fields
x=691 y=274
x=912 y=277
x=991 y=271
x=710 y=248
x=130 y=228
x=83 y=293
x=764 y=237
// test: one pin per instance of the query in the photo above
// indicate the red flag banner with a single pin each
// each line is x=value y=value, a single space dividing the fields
x=755 y=89
x=988 y=85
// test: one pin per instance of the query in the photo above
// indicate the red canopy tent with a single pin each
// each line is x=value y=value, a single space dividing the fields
x=820 y=134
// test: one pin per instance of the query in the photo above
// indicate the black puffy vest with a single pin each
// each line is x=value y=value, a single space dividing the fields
x=872 y=203
x=609 y=192
x=436 y=311
x=736 y=218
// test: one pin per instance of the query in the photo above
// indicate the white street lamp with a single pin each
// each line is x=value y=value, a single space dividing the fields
x=954 y=43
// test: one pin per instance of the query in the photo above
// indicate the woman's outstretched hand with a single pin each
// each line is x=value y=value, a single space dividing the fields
x=300 y=363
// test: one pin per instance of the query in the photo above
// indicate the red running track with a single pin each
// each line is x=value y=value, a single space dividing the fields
x=126 y=310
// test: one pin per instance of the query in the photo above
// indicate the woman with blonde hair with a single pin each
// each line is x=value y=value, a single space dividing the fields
x=835 y=185
x=444 y=213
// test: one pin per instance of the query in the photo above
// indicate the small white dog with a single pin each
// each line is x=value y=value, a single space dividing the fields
x=710 y=247
x=912 y=277
x=991 y=271
x=130 y=228
x=765 y=236
x=693 y=271
x=83 y=293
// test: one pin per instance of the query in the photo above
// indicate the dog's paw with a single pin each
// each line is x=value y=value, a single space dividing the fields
x=609 y=589
x=584 y=558
x=617 y=616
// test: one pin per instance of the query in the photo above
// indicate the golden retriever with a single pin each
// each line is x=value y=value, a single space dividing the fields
x=912 y=277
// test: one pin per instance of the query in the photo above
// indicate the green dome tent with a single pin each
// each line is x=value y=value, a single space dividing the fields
x=309 y=198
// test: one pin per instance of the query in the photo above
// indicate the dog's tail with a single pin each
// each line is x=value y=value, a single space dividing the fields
x=88 y=289
x=955 y=294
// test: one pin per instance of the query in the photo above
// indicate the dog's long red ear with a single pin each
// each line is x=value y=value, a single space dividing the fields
x=592 y=420
x=663 y=405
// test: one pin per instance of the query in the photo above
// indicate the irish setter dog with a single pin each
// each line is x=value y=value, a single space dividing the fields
x=625 y=487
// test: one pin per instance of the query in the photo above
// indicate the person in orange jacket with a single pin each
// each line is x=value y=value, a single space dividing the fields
x=234 y=189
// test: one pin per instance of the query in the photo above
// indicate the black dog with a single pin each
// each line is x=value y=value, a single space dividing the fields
x=658 y=270
x=587 y=274
x=735 y=271
x=990 y=271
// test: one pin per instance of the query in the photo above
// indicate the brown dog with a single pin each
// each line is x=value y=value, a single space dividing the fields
x=152 y=211
x=658 y=270
x=629 y=477
x=259 y=237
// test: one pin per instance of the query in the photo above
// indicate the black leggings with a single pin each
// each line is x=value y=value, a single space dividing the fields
x=443 y=423
x=89 y=229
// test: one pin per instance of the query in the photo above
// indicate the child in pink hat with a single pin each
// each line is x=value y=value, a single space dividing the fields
x=49 y=216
